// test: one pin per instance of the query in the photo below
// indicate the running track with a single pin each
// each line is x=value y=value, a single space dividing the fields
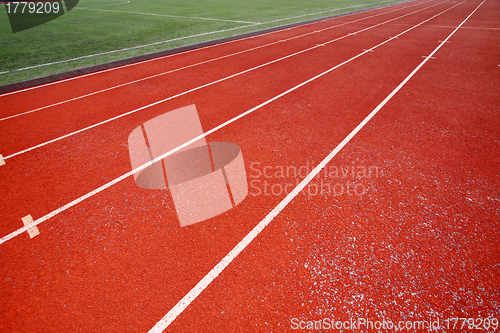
x=419 y=242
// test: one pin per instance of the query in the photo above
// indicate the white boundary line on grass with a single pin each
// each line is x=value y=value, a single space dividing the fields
x=208 y=84
x=159 y=158
x=204 y=62
x=114 y=51
x=162 y=42
x=200 y=286
x=109 y=4
x=176 y=16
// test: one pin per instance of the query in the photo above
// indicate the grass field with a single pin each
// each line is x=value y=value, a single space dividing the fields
x=113 y=27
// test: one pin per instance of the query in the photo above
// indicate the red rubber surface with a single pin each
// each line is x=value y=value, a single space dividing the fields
x=420 y=243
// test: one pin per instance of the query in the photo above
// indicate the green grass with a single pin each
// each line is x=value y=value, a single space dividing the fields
x=89 y=30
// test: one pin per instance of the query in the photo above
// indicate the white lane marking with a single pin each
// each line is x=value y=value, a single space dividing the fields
x=200 y=63
x=449 y=27
x=2 y=161
x=33 y=232
x=109 y=4
x=200 y=286
x=165 y=15
x=202 y=86
x=151 y=44
x=159 y=158
x=428 y=57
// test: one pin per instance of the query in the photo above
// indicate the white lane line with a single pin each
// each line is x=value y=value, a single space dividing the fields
x=200 y=286
x=203 y=62
x=473 y=28
x=164 y=15
x=449 y=27
x=204 y=86
x=109 y=4
x=159 y=158
x=151 y=44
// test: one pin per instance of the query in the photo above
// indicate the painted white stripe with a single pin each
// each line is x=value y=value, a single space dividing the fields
x=142 y=167
x=205 y=62
x=200 y=286
x=206 y=85
x=109 y=4
x=152 y=44
x=449 y=27
x=164 y=15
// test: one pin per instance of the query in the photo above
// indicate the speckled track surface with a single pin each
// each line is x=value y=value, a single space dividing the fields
x=406 y=228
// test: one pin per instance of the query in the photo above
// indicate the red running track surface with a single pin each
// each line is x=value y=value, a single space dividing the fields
x=407 y=232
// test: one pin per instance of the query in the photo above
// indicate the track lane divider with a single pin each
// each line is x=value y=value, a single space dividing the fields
x=161 y=157
x=212 y=83
x=198 y=289
x=204 y=62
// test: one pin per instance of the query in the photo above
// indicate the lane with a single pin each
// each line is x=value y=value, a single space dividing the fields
x=116 y=263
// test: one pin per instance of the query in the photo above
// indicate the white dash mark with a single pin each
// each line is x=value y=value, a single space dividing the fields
x=32 y=231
